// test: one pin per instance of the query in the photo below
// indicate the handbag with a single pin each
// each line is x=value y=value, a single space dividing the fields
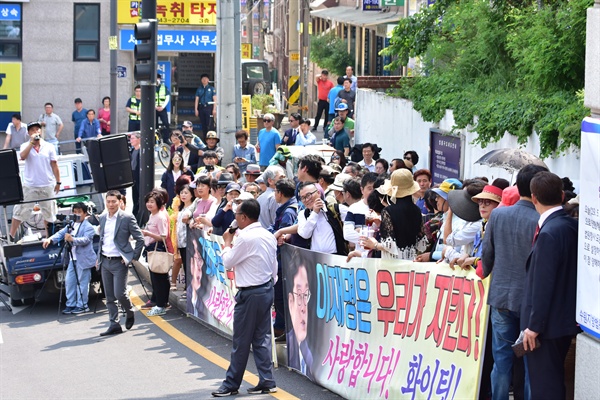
x=159 y=262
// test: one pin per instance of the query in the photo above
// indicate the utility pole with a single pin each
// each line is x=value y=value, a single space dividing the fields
x=113 y=66
x=293 y=57
x=304 y=53
x=148 y=118
x=228 y=73
x=261 y=32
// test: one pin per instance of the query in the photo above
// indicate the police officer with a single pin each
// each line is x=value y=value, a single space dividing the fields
x=162 y=101
x=204 y=105
x=134 y=108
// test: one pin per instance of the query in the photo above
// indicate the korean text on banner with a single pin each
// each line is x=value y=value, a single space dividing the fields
x=168 y=12
x=10 y=91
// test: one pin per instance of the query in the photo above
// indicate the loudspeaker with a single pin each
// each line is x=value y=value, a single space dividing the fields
x=110 y=163
x=11 y=189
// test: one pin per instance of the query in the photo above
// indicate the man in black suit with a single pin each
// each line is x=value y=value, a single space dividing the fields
x=548 y=308
x=135 y=140
x=299 y=355
x=115 y=253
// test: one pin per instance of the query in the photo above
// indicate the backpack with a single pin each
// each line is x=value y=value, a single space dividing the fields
x=334 y=219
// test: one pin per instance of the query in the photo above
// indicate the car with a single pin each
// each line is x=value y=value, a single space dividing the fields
x=256 y=77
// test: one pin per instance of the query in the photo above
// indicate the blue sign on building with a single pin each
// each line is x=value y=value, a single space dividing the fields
x=10 y=12
x=171 y=40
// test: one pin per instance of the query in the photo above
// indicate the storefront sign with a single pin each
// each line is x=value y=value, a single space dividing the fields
x=445 y=156
x=170 y=12
x=10 y=91
x=171 y=40
x=371 y=5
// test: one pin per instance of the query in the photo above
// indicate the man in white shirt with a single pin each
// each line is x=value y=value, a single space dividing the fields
x=368 y=151
x=254 y=261
x=305 y=137
x=315 y=224
x=41 y=178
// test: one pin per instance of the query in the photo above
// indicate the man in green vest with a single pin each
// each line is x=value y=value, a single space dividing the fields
x=162 y=101
x=134 y=108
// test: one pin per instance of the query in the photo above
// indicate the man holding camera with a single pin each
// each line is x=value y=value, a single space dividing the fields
x=79 y=236
x=41 y=178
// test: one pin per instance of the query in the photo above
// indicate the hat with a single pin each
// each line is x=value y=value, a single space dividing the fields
x=188 y=124
x=284 y=150
x=212 y=135
x=78 y=100
x=338 y=184
x=244 y=196
x=341 y=107
x=232 y=186
x=510 y=196
x=401 y=184
x=446 y=187
x=225 y=178
x=32 y=124
x=489 y=192
x=462 y=206
x=252 y=169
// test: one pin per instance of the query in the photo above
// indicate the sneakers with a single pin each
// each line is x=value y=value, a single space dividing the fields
x=156 y=311
x=224 y=392
x=68 y=310
x=149 y=304
x=262 y=389
x=80 y=310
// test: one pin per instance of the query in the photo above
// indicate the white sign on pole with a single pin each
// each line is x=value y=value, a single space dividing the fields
x=588 y=263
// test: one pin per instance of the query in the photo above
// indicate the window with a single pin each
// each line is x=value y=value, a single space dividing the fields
x=10 y=31
x=86 y=42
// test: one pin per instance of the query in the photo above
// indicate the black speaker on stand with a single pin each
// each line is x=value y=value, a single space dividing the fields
x=110 y=163
x=11 y=189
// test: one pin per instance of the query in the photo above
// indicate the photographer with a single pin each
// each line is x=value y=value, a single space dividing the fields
x=188 y=151
x=78 y=235
x=210 y=165
x=41 y=178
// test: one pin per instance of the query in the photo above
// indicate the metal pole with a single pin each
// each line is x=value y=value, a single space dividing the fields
x=147 y=126
x=229 y=74
x=113 y=69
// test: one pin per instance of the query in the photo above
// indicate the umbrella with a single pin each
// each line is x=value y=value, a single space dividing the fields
x=510 y=159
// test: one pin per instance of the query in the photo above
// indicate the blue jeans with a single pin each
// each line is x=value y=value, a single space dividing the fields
x=505 y=331
x=77 y=295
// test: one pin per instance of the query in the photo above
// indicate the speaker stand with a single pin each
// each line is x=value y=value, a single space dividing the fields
x=6 y=225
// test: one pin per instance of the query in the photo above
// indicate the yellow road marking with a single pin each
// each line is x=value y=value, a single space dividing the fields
x=201 y=350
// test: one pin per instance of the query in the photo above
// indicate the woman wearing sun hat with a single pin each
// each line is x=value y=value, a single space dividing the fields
x=401 y=222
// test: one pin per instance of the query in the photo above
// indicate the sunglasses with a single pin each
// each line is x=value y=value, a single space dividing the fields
x=335 y=157
x=485 y=202
x=267 y=120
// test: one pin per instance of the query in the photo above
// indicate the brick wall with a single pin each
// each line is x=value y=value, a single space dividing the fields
x=378 y=82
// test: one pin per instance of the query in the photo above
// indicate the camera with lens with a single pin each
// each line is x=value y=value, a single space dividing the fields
x=37 y=137
x=210 y=168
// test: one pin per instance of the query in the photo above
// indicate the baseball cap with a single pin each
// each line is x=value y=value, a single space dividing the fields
x=233 y=187
x=446 y=186
x=252 y=169
x=33 y=124
x=341 y=107
x=188 y=124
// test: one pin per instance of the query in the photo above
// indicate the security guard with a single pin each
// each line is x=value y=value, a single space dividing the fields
x=204 y=105
x=162 y=101
x=134 y=108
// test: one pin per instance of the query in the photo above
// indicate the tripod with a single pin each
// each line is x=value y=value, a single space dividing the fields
x=69 y=258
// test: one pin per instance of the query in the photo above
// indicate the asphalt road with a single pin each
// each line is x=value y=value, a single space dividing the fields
x=46 y=355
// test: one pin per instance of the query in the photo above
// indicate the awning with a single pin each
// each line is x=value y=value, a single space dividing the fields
x=352 y=16
x=317 y=3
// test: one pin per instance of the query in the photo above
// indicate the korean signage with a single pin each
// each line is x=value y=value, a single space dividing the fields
x=164 y=69
x=388 y=3
x=369 y=328
x=171 y=12
x=246 y=111
x=10 y=91
x=371 y=5
x=588 y=263
x=445 y=156
x=10 y=12
x=246 y=50
x=171 y=40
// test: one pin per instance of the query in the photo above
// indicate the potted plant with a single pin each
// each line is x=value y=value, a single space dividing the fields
x=262 y=104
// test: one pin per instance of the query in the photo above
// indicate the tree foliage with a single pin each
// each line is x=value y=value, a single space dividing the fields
x=331 y=53
x=503 y=66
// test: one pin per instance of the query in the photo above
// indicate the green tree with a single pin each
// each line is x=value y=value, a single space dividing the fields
x=330 y=52
x=503 y=66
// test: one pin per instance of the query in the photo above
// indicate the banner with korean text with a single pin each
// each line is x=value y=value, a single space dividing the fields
x=373 y=328
x=169 y=12
x=211 y=289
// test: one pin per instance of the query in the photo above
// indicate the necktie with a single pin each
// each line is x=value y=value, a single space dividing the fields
x=535 y=235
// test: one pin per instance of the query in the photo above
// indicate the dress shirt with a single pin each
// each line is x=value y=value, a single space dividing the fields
x=317 y=228
x=248 y=152
x=253 y=257
x=268 y=208
x=305 y=140
x=547 y=213
x=109 y=249
x=370 y=167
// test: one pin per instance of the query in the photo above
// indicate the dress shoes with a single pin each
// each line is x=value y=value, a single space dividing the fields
x=130 y=320
x=263 y=388
x=224 y=392
x=113 y=330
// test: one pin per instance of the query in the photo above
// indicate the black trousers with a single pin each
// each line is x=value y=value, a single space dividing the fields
x=205 y=114
x=322 y=107
x=160 y=282
x=165 y=130
x=546 y=368
x=133 y=125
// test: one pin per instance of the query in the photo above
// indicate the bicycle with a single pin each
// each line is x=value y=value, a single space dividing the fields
x=162 y=150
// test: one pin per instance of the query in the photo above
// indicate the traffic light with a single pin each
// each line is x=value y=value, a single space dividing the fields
x=145 y=52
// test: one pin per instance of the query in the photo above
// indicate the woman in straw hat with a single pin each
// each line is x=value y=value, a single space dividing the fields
x=401 y=222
